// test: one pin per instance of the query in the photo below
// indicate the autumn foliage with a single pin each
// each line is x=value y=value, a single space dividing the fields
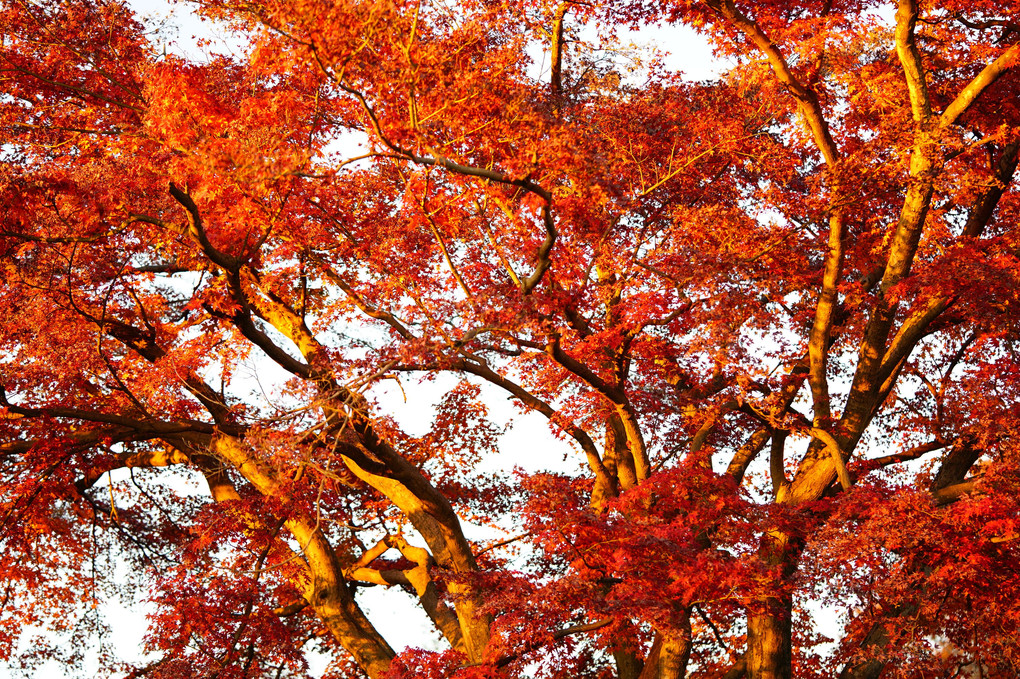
x=771 y=316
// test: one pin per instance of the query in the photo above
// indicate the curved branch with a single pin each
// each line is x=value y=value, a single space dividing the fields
x=197 y=231
x=542 y=261
x=806 y=98
x=836 y=454
x=982 y=81
x=534 y=403
x=910 y=58
x=810 y=107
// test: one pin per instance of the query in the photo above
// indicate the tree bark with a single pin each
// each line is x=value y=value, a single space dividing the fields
x=670 y=652
x=769 y=628
x=769 y=641
x=325 y=587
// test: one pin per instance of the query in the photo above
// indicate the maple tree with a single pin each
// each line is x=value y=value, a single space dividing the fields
x=773 y=314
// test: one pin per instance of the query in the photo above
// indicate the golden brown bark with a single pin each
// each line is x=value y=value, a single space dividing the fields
x=418 y=578
x=670 y=652
x=429 y=512
x=556 y=75
x=324 y=586
x=768 y=641
x=435 y=520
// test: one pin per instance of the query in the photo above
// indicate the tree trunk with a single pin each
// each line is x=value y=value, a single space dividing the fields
x=670 y=652
x=676 y=651
x=769 y=641
x=628 y=666
x=769 y=629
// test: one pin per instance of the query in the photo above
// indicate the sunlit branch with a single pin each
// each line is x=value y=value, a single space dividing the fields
x=810 y=107
x=325 y=588
x=160 y=457
x=838 y=456
x=988 y=75
x=556 y=74
x=950 y=494
x=910 y=58
x=534 y=403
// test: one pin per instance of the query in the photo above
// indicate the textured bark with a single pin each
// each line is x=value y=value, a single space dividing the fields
x=376 y=463
x=324 y=585
x=435 y=520
x=628 y=666
x=769 y=641
x=955 y=465
x=670 y=651
x=674 y=654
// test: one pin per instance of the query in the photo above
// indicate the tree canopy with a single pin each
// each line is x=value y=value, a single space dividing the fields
x=773 y=316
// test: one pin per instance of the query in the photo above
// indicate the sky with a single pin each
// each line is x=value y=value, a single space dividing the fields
x=178 y=30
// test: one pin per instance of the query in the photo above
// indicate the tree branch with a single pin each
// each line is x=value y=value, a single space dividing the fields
x=988 y=75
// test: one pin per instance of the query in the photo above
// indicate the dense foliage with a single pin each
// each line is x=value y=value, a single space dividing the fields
x=773 y=315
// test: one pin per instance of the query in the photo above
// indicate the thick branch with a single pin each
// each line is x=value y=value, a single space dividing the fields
x=950 y=494
x=988 y=75
x=811 y=109
x=161 y=457
x=981 y=214
x=910 y=58
x=326 y=589
x=556 y=78
x=836 y=454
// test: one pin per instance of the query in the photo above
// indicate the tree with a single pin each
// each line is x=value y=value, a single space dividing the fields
x=746 y=304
